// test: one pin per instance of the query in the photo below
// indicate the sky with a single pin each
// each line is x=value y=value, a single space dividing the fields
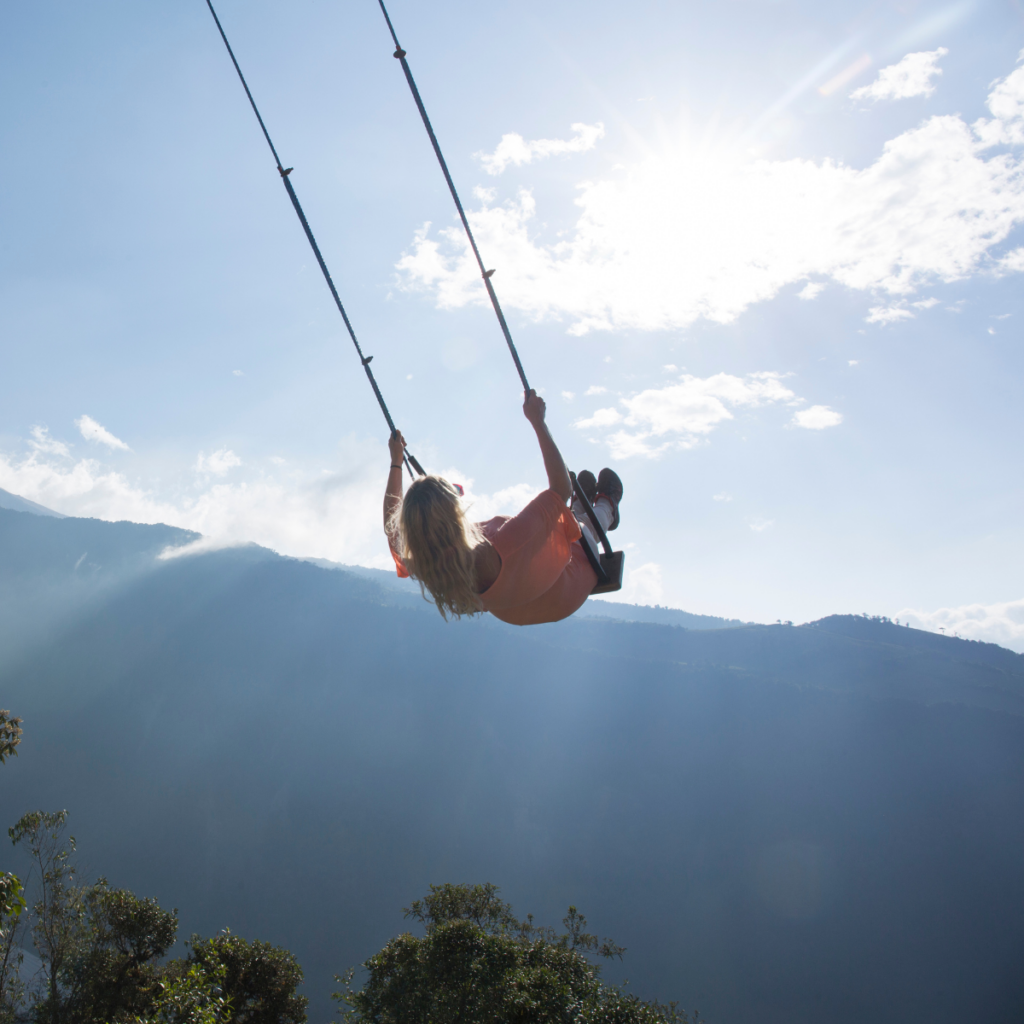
x=762 y=257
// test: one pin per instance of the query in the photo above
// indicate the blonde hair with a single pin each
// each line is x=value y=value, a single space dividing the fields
x=430 y=532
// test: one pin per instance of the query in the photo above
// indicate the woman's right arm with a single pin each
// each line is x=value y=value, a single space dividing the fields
x=558 y=476
x=393 y=491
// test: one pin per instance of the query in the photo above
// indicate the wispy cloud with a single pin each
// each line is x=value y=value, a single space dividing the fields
x=514 y=149
x=811 y=290
x=697 y=234
x=912 y=76
x=217 y=463
x=681 y=414
x=42 y=442
x=888 y=314
x=93 y=431
x=1000 y=623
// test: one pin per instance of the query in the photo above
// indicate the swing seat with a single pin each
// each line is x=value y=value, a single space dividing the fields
x=607 y=565
x=611 y=566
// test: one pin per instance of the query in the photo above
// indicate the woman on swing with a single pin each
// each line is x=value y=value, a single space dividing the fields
x=523 y=569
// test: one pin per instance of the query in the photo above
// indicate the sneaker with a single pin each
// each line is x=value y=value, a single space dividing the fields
x=610 y=486
x=587 y=484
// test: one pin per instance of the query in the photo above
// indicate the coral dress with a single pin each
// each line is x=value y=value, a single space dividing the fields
x=545 y=575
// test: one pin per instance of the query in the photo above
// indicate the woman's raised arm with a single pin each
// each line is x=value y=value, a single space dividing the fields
x=558 y=476
x=393 y=491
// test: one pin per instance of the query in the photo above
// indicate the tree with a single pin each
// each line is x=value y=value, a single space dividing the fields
x=12 y=899
x=10 y=735
x=114 y=975
x=478 y=964
x=12 y=904
x=195 y=996
x=259 y=979
x=59 y=929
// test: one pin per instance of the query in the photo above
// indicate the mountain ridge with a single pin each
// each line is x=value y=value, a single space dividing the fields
x=770 y=818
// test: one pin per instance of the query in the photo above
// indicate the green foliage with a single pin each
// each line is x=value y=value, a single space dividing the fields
x=100 y=949
x=59 y=927
x=12 y=904
x=478 y=964
x=10 y=735
x=12 y=898
x=195 y=996
x=114 y=975
x=259 y=979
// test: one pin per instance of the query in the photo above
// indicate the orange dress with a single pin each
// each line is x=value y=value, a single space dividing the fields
x=545 y=575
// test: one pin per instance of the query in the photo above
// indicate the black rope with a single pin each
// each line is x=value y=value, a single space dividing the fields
x=486 y=274
x=410 y=460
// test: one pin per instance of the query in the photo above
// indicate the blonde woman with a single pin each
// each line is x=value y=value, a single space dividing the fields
x=523 y=569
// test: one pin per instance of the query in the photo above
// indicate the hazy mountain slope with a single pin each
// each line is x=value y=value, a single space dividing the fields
x=291 y=752
x=919 y=669
x=18 y=504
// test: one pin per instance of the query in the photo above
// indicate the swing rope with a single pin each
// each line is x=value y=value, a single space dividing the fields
x=486 y=274
x=400 y=55
x=410 y=461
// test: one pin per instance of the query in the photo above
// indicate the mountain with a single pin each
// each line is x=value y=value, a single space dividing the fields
x=19 y=504
x=781 y=823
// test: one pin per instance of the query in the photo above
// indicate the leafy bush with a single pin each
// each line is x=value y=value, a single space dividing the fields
x=478 y=964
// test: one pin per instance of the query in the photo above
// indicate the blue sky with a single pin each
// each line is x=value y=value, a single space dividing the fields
x=764 y=258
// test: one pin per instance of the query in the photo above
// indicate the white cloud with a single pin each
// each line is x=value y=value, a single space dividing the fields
x=698 y=233
x=760 y=525
x=853 y=362
x=42 y=442
x=1001 y=623
x=568 y=395
x=217 y=463
x=514 y=149
x=595 y=389
x=1012 y=262
x=811 y=290
x=888 y=314
x=722 y=497
x=334 y=517
x=684 y=412
x=925 y=303
x=818 y=417
x=92 y=431
x=238 y=373
x=912 y=76
x=601 y=418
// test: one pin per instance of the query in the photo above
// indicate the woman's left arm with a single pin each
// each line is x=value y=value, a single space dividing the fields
x=393 y=491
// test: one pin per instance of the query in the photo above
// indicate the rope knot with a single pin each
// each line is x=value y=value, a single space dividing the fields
x=399 y=54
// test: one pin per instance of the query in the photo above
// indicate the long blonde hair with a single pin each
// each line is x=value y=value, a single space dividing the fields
x=430 y=532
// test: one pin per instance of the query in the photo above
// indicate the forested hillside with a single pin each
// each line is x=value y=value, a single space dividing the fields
x=780 y=823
